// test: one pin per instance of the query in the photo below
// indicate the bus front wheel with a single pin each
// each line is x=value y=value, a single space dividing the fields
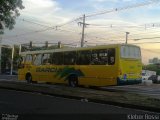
x=73 y=81
x=28 y=78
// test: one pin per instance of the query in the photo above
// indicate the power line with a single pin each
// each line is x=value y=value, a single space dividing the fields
x=136 y=32
x=31 y=22
x=43 y=30
x=103 y=26
x=28 y=33
x=115 y=25
x=145 y=38
x=145 y=26
x=63 y=30
x=147 y=42
x=104 y=12
x=79 y=18
x=60 y=30
x=123 y=8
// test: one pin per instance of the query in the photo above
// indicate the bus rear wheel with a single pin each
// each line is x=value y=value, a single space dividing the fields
x=73 y=81
x=29 y=78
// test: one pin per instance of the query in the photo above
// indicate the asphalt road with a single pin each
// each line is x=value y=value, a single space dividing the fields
x=150 y=90
x=23 y=102
x=26 y=103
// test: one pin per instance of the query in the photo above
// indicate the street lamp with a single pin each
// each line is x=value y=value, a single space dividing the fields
x=127 y=37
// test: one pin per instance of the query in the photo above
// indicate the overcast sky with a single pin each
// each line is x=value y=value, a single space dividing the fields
x=39 y=15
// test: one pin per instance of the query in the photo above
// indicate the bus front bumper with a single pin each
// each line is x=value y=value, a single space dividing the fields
x=128 y=81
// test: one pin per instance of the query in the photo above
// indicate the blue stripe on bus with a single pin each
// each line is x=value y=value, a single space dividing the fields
x=128 y=81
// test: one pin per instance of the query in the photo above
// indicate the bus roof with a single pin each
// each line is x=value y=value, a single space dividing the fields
x=74 y=49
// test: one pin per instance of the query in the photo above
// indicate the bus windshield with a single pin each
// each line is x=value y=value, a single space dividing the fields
x=130 y=52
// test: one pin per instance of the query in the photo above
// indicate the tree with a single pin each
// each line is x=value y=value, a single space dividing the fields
x=16 y=57
x=6 y=58
x=9 y=10
x=152 y=67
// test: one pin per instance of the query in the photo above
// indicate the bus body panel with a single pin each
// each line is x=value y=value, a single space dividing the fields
x=98 y=75
x=130 y=70
x=123 y=71
x=21 y=74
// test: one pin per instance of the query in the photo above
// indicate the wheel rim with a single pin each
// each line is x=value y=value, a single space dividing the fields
x=29 y=79
x=73 y=82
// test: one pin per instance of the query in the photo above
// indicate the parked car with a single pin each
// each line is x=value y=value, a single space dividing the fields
x=145 y=76
x=154 y=78
x=8 y=72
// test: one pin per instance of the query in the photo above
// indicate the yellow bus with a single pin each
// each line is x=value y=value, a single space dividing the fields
x=116 y=64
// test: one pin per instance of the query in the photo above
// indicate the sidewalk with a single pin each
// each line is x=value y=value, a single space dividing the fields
x=8 y=77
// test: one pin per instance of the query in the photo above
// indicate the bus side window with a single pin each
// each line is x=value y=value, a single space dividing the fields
x=69 y=58
x=46 y=59
x=103 y=57
x=57 y=58
x=38 y=59
x=111 y=56
x=50 y=58
x=95 y=57
x=84 y=57
x=99 y=57
x=28 y=58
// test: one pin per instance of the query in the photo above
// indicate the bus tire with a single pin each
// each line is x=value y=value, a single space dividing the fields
x=29 y=78
x=73 y=81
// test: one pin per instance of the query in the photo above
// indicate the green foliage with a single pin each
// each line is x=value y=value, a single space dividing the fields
x=152 y=67
x=6 y=58
x=9 y=10
x=16 y=57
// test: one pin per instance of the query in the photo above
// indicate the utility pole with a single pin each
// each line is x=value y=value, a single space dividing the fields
x=82 y=39
x=46 y=44
x=59 y=44
x=0 y=50
x=11 y=72
x=0 y=58
x=127 y=37
x=30 y=44
x=20 y=48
